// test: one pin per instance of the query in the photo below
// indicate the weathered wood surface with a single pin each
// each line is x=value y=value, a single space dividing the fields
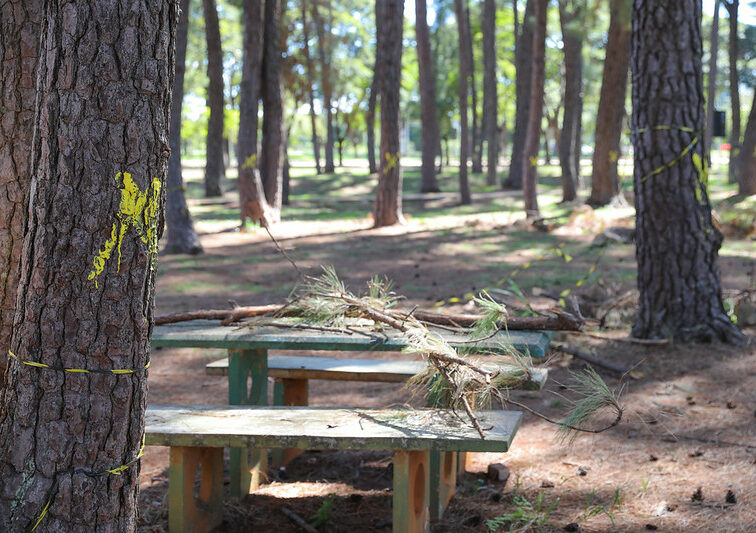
x=208 y=334
x=334 y=369
x=326 y=428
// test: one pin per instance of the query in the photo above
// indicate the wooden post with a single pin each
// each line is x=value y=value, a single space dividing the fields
x=443 y=481
x=188 y=512
x=289 y=392
x=411 y=491
x=247 y=385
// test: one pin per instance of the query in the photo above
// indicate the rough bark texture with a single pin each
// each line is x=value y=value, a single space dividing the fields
x=524 y=69
x=271 y=156
x=464 y=137
x=430 y=131
x=19 y=50
x=327 y=85
x=286 y=170
x=253 y=205
x=214 y=151
x=370 y=117
x=388 y=195
x=180 y=234
x=570 y=138
x=310 y=92
x=605 y=181
x=732 y=49
x=711 y=82
x=532 y=140
x=100 y=156
x=676 y=242
x=477 y=138
x=747 y=165
x=490 y=98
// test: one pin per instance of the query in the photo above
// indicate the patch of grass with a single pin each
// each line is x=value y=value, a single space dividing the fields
x=526 y=516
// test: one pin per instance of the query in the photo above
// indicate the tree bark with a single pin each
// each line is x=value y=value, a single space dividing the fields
x=676 y=242
x=532 y=141
x=477 y=138
x=711 y=89
x=327 y=86
x=388 y=195
x=310 y=92
x=570 y=138
x=88 y=268
x=214 y=151
x=490 y=98
x=181 y=238
x=746 y=167
x=732 y=49
x=523 y=74
x=464 y=75
x=286 y=172
x=430 y=131
x=252 y=203
x=19 y=53
x=370 y=117
x=605 y=184
x=271 y=155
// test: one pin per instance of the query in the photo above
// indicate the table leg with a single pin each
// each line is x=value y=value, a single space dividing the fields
x=288 y=391
x=443 y=481
x=247 y=385
x=411 y=494
x=189 y=510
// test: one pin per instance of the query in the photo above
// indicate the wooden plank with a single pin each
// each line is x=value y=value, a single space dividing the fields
x=327 y=428
x=335 y=369
x=410 y=509
x=186 y=512
x=208 y=334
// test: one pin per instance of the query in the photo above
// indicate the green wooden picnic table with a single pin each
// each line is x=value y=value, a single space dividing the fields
x=248 y=362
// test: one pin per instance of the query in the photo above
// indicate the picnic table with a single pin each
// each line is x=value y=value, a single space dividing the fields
x=247 y=371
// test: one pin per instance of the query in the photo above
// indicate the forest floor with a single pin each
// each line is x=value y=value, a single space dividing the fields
x=690 y=418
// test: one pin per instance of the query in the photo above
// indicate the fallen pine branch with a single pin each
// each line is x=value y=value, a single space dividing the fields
x=614 y=367
x=632 y=340
x=298 y=520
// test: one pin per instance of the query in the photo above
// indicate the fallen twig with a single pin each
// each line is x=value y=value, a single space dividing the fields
x=633 y=340
x=298 y=520
x=614 y=367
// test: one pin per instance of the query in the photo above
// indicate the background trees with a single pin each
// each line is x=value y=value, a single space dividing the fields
x=214 y=167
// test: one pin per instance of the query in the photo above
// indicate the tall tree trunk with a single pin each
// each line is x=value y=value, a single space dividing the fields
x=523 y=74
x=677 y=243
x=388 y=195
x=430 y=132
x=605 y=180
x=477 y=138
x=310 y=92
x=532 y=141
x=180 y=234
x=490 y=98
x=464 y=75
x=86 y=289
x=711 y=89
x=746 y=167
x=19 y=53
x=214 y=151
x=370 y=117
x=271 y=155
x=327 y=85
x=570 y=138
x=252 y=203
x=732 y=9
x=286 y=188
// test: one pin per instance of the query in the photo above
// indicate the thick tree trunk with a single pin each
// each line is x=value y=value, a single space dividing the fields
x=732 y=49
x=477 y=138
x=490 y=98
x=605 y=180
x=88 y=268
x=180 y=235
x=286 y=172
x=747 y=165
x=711 y=82
x=388 y=195
x=430 y=131
x=524 y=69
x=677 y=243
x=532 y=141
x=310 y=92
x=327 y=86
x=570 y=138
x=252 y=203
x=19 y=52
x=464 y=75
x=214 y=150
x=370 y=118
x=271 y=156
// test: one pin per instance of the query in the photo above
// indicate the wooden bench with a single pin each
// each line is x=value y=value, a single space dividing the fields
x=198 y=434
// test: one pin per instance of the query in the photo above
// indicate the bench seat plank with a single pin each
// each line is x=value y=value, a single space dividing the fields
x=327 y=428
x=209 y=334
x=335 y=369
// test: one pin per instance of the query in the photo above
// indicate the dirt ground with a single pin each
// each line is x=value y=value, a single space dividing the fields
x=690 y=419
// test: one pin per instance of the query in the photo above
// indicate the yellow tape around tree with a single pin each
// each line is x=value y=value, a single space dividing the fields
x=118 y=371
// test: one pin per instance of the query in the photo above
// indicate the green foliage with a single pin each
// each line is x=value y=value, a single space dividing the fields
x=526 y=516
x=594 y=397
x=594 y=508
x=323 y=516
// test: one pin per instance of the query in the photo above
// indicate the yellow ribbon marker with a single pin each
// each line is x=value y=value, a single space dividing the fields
x=137 y=209
x=250 y=162
x=613 y=156
x=391 y=161
x=117 y=371
x=533 y=161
